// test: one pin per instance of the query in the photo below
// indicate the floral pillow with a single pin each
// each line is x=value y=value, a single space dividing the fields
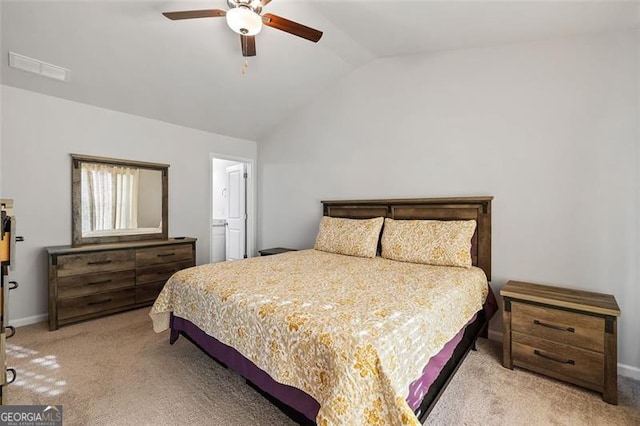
x=433 y=242
x=353 y=237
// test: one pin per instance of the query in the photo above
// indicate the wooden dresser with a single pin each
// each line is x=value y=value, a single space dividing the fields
x=96 y=280
x=566 y=334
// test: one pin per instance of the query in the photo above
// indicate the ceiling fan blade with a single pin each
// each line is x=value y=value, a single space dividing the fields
x=265 y=2
x=248 y=45
x=291 y=27
x=191 y=14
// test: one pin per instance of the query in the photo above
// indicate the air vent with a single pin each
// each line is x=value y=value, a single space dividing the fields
x=35 y=66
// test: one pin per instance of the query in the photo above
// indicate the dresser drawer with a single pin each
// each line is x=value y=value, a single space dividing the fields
x=83 y=285
x=89 y=263
x=159 y=255
x=583 y=331
x=157 y=273
x=148 y=292
x=79 y=306
x=558 y=360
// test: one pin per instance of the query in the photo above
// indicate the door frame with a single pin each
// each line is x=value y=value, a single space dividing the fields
x=252 y=208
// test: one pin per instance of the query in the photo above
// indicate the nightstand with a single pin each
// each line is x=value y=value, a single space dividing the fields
x=570 y=335
x=275 y=250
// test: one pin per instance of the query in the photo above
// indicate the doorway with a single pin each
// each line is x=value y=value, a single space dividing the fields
x=233 y=219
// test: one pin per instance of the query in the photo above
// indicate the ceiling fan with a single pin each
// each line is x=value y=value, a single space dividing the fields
x=245 y=18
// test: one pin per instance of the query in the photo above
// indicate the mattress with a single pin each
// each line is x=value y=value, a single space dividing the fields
x=353 y=333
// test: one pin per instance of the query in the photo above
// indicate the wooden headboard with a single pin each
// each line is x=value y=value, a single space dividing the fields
x=460 y=208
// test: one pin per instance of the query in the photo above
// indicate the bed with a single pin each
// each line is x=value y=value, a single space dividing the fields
x=342 y=339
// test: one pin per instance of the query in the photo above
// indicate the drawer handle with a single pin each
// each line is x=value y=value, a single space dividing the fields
x=99 y=282
x=550 y=358
x=13 y=331
x=13 y=285
x=100 y=302
x=166 y=254
x=13 y=373
x=555 y=327
x=99 y=262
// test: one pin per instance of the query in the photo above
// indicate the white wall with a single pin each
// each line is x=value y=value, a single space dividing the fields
x=549 y=128
x=39 y=132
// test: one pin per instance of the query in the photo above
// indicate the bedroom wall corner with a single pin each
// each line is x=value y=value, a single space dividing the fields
x=549 y=128
x=41 y=131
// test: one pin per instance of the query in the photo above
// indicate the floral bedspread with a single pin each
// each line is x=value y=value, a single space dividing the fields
x=351 y=332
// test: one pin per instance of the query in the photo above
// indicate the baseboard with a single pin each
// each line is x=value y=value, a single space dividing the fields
x=623 y=369
x=629 y=371
x=28 y=320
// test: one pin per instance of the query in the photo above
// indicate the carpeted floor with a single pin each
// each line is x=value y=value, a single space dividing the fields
x=117 y=371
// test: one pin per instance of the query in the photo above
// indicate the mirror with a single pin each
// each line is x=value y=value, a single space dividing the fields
x=117 y=200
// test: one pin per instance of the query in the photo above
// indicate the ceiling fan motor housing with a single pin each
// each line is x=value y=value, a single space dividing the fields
x=243 y=17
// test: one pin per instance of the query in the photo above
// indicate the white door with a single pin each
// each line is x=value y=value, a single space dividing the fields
x=236 y=212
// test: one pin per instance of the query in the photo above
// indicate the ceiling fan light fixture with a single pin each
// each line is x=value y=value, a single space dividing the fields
x=244 y=21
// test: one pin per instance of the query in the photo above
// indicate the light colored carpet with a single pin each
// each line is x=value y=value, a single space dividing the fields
x=117 y=371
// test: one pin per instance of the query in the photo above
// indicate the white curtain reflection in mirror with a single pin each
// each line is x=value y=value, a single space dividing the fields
x=109 y=197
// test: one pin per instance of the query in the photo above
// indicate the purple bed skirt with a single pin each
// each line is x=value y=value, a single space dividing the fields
x=295 y=397
x=233 y=359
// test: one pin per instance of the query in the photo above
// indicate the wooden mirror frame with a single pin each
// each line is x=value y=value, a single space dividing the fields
x=76 y=215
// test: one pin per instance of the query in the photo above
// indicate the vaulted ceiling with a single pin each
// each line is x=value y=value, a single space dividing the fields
x=127 y=57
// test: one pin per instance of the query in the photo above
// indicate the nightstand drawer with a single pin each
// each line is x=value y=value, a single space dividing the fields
x=583 y=331
x=557 y=360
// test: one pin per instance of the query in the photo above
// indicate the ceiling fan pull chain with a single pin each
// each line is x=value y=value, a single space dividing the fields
x=245 y=66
